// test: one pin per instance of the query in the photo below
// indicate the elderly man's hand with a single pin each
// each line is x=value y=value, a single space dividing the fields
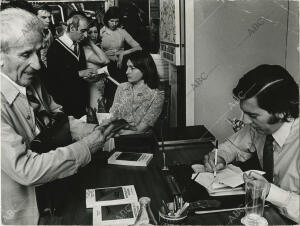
x=95 y=141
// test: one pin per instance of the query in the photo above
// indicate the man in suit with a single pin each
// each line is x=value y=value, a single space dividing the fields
x=43 y=12
x=65 y=58
x=23 y=98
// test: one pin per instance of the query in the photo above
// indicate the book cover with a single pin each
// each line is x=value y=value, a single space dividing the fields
x=112 y=214
x=130 y=158
x=110 y=195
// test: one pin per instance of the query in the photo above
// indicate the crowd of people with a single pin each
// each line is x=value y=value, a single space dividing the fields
x=45 y=81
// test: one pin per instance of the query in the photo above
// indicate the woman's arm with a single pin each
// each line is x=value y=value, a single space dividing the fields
x=98 y=56
x=135 y=46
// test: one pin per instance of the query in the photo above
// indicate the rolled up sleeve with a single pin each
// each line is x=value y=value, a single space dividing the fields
x=286 y=201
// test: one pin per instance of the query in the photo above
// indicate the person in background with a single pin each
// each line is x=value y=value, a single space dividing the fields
x=43 y=12
x=65 y=58
x=139 y=101
x=95 y=58
x=113 y=39
x=20 y=4
x=23 y=98
x=269 y=97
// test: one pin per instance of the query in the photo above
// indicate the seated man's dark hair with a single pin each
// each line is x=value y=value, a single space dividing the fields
x=274 y=88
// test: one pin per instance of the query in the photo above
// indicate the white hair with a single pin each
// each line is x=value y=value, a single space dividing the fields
x=15 y=25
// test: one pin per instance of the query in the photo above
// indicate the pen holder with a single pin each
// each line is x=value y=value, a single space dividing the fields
x=169 y=218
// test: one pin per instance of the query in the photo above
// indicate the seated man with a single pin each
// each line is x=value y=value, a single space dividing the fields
x=23 y=98
x=269 y=97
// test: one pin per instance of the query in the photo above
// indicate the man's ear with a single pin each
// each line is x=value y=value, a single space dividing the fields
x=72 y=28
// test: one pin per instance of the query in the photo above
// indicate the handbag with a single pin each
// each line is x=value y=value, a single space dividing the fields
x=57 y=134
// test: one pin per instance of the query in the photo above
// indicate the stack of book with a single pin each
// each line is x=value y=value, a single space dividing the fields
x=113 y=205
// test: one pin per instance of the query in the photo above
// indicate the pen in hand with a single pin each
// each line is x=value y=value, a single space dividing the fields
x=216 y=158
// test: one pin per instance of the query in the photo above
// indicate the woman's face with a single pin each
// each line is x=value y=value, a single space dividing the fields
x=113 y=23
x=93 y=34
x=134 y=74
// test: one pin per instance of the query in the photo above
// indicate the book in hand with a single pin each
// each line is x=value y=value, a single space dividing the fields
x=115 y=214
x=110 y=195
x=227 y=182
x=130 y=158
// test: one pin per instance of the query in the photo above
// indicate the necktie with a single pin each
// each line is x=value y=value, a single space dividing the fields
x=268 y=159
x=76 y=48
x=39 y=115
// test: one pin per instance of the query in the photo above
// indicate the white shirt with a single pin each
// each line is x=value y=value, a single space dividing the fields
x=67 y=41
x=284 y=192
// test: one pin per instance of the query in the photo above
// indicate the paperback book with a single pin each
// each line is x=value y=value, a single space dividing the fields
x=130 y=158
x=110 y=195
x=115 y=214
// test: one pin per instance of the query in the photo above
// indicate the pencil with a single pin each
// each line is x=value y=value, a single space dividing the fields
x=216 y=159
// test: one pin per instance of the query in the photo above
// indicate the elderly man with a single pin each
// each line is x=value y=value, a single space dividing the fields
x=43 y=12
x=65 y=58
x=269 y=97
x=22 y=98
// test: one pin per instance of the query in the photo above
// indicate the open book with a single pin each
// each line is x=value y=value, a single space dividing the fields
x=227 y=182
x=110 y=195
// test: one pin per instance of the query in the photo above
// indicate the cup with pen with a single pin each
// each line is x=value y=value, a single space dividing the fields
x=173 y=212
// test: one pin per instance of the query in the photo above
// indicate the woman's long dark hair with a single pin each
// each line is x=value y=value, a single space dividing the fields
x=145 y=63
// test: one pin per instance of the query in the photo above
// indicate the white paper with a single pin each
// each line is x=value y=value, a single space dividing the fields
x=225 y=183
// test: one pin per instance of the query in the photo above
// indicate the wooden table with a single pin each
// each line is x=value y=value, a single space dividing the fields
x=148 y=182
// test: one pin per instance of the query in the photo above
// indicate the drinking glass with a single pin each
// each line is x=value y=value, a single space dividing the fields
x=254 y=203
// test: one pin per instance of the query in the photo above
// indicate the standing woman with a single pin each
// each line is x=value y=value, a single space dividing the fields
x=95 y=58
x=139 y=101
x=113 y=39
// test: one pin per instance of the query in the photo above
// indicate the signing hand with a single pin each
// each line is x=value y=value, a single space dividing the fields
x=209 y=163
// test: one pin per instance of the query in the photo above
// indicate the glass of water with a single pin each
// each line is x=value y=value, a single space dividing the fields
x=254 y=203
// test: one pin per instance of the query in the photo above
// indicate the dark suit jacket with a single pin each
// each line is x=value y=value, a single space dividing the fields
x=62 y=79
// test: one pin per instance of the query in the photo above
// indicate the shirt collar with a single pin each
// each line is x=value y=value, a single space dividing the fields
x=282 y=133
x=67 y=41
x=10 y=89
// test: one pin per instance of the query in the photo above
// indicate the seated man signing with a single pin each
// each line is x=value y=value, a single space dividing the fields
x=269 y=98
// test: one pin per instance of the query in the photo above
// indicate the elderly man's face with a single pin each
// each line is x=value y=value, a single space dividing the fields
x=81 y=32
x=45 y=17
x=21 y=61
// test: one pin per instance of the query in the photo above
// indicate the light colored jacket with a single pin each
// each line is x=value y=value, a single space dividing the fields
x=22 y=169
